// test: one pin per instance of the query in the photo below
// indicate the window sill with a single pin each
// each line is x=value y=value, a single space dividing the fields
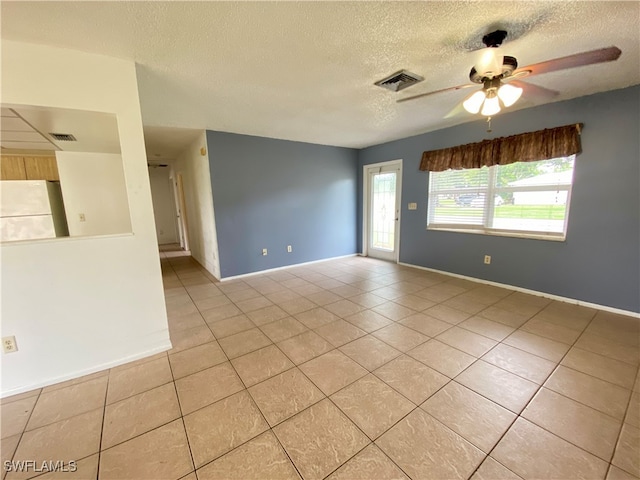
x=553 y=237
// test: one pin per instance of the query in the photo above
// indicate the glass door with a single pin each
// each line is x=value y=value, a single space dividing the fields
x=383 y=211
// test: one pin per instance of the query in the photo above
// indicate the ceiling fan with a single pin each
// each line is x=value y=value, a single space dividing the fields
x=499 y=76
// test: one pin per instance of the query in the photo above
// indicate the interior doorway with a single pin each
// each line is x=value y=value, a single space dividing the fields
x=181 y=212
x=382 y=188
x=164 y=206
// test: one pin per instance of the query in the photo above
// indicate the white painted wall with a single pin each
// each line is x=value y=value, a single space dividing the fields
x=164 y=205
x=203 y=240
x=93 y=185
x=78 y=305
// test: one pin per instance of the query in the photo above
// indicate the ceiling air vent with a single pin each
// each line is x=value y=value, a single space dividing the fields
x=399 y=80
x=63 y=137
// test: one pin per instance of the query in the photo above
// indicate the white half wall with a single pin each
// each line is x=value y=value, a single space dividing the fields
x=201 y=222
x=93 y=186
x=79 y=305
x=164 y=205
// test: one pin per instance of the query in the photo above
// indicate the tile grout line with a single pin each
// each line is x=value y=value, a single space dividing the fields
x=76 y=460
x=617 y=441
x=396 y=321
x=60 y=419
x=245 y=389
x=346 y=386
x=175 y=387
x=326 y=397
x=270 y=427
x=519 y=415
x=501 y=342
x=371 y=442
x=557 y=364
x=104 y=416
x=205 y=322
x=419 y=406
x=572 y=345
x=13 y=457
x=584 y=404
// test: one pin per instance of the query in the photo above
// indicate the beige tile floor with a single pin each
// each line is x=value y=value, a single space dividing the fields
x=350 y=369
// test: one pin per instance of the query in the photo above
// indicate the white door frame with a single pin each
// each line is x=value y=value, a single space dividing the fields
x=365 y=204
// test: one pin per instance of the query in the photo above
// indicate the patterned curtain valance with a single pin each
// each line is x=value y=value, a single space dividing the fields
x=525 y=147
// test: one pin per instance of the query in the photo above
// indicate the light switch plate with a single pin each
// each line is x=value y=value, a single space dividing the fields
x=413 y=206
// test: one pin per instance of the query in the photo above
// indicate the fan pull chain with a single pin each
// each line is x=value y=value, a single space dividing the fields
x=489 y=125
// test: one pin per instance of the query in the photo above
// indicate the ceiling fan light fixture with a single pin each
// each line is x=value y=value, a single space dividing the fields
x=509 y=94
x=473 y=103
x=491 y=105
x=489 y=63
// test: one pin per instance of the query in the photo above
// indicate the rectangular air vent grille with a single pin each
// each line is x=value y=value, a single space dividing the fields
x=63 y=137
x=399 y=80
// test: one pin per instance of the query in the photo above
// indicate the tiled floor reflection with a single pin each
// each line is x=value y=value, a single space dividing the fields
x=349 y=369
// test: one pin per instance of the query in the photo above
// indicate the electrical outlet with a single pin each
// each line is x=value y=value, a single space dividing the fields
x=487 y=259
x=264 y=252
x=82 y=217
x=289 y=249
x=9 y=344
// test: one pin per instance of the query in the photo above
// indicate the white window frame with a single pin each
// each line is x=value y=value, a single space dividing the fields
x=490 y=193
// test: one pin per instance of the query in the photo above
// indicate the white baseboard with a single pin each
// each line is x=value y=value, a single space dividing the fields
x=260 y=272
x=530 y=292
x=206 y=272
x=87 y=371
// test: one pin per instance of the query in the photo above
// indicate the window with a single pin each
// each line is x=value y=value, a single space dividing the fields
x=529 y=199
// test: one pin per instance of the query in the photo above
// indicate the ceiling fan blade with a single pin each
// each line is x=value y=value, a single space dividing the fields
x=455 y=111
x=459 y=87
x=601 y=55
x=535 y=90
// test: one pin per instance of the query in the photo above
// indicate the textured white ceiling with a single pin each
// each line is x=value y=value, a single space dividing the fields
x=305 y=70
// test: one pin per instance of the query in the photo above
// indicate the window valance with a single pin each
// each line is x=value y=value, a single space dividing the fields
x=525 y=147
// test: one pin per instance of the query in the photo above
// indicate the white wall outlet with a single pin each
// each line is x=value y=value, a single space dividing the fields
x=289 y=249
x=413 y=206
x=264 y=252
x=487 y=259
x=82 y=217
x=9 y=344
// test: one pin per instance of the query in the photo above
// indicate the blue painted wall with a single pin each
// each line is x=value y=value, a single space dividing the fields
x=600 y=260
x=270 y=193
